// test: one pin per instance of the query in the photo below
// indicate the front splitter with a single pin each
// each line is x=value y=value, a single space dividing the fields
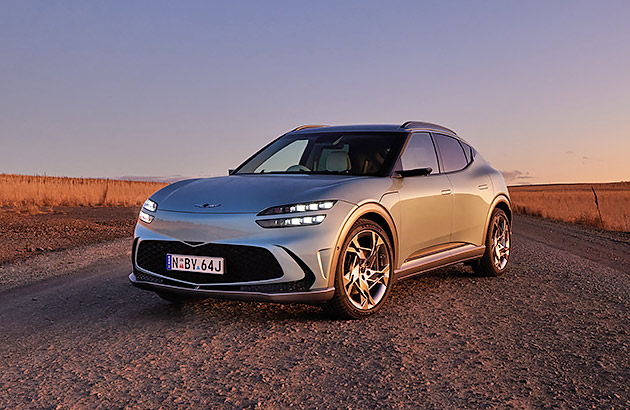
x=310 y=297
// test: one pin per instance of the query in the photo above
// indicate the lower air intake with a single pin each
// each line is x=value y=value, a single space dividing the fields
x=242 y=263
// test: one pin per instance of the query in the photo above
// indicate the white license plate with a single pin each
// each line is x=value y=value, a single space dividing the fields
x=190 y=263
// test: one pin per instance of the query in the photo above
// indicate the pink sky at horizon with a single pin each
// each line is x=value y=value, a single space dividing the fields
x=540 y=89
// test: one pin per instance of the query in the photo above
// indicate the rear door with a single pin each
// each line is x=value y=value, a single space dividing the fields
x=472 y=189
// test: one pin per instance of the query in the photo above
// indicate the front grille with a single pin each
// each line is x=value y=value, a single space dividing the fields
x=242 y=263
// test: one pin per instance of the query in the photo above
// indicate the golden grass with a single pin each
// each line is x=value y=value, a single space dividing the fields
x=575 y=203
x=30 y=192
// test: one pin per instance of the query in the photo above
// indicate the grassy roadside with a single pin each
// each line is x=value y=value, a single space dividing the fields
x=604 y=206
x=573 y=203
x=36 y=193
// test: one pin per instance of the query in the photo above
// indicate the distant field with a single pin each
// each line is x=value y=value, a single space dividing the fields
x=575 y=203
x=31 y=192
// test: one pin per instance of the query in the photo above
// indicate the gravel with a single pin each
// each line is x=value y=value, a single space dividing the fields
x=59 y=228
x=552 y=333
x=60 y=263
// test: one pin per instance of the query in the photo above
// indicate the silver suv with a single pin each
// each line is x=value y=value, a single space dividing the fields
x=327 y=215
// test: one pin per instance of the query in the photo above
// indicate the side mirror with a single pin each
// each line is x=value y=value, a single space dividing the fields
x=415 y=172
x=230 y=171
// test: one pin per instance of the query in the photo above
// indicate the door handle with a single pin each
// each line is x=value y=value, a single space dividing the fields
x=483 y=186
x=446 y=191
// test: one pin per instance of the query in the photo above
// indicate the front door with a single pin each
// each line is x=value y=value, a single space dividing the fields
x=426 y=202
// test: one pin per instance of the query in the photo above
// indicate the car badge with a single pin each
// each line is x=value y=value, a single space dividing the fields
x=207 y=205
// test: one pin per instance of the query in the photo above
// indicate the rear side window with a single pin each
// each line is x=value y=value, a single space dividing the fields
x=420 y=153
x=452 y=153
x=467 y=151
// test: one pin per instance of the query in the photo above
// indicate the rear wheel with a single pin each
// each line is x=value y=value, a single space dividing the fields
x=496 y=258
x=364 y=274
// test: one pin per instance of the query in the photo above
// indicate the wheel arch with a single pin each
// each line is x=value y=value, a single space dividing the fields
x=375 y=213
x=506 y=208
x=502 y=202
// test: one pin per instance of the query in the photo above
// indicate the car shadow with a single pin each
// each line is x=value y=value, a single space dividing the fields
x=109 y=298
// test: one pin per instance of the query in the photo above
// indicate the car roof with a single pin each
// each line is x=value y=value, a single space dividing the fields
x=406 y=127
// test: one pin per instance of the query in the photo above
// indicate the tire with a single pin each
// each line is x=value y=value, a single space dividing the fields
x=495 y=260
x=362 y=280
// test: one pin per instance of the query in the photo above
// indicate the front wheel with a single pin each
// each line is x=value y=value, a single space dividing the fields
x=364 y=274
x=496 y=258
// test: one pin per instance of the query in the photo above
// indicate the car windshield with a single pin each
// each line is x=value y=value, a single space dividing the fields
x=349 y=153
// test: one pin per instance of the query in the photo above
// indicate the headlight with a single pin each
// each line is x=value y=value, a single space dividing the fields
x=303 y=207
x=145 y=217
x=285 y=222
x=150 y=205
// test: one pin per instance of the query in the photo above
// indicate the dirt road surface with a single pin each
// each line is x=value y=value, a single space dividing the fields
x=23 y=236
x=552 y=333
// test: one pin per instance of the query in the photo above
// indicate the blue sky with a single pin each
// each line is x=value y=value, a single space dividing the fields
x=541 y=89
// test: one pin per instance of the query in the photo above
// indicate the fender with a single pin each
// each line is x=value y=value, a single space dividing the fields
x=355 y=215
x=500 y=198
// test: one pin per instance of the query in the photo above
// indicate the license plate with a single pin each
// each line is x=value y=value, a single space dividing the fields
x=190 y=263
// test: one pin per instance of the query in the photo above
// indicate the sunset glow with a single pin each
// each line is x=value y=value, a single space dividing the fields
x=140 y=89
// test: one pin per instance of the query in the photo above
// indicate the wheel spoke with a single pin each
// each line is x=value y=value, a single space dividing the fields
x=364 y=293
x=366 y=296
x=379 y=277
x=361 y=251
x=370 y=299
x=376 y=252
x=377 y=241
x=350 y=277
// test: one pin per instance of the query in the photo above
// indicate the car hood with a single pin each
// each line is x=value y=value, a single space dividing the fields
x=253 y=193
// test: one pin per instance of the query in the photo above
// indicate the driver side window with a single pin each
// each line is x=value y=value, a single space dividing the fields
x=420 y=153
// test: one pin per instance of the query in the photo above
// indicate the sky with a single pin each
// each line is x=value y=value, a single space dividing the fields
x=162 y=89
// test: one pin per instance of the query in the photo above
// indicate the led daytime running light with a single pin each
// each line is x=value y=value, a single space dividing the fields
x=145 y=217
x=301 y=207
x=296 y=221
x=150 y=205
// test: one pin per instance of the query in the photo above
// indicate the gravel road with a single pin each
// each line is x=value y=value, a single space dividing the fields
x=24 y=236
x=552 y=333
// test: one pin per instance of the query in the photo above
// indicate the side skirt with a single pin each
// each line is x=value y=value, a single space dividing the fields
x=438 y=260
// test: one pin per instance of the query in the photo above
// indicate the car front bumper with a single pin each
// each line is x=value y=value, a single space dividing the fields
x=261 y=261
x=309 y=297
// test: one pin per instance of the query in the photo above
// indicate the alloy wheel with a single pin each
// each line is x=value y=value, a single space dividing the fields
x=500 y=242
x=366 y=269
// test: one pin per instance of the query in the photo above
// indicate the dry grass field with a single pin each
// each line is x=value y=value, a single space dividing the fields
x=32 y=192
x=575 y=203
